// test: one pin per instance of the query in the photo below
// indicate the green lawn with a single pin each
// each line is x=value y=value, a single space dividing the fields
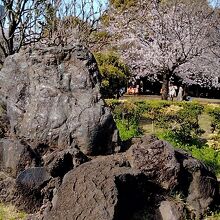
x=156 y=97
x=204 y=119
x=9 y=212
x=203 y=146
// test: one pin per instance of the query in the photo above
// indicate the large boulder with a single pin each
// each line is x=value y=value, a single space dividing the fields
x=176 y=171
x=156 y=159
x=104 y=189
x=53 y=99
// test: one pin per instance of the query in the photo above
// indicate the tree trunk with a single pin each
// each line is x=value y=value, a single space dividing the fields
x=165 y=87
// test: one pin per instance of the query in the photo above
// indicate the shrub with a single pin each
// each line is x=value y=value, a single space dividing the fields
x=127 y=116
x=197 y=149
x=113 y=71
x=179 y=118
x=214 y=141
x=214 y=112
x=188 y=119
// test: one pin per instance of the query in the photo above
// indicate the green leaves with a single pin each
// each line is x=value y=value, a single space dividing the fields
x=176 y=122
x=127 y=116
x=181 y=119
x=113 y=71
x=123 y=4
x=214 y=113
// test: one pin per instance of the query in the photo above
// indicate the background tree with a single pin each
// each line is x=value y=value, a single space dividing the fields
x=114 y=73
x=122 y=4
x=56 y=22
x=73 y=20
x=21 y=24
x=165 y=38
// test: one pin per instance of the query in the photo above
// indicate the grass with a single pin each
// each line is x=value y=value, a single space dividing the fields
x=204 y=120
x=213 y=216
x=205 y=124
x=157 y=97
x=9 y=212
x=126 y=133
x=205 y=147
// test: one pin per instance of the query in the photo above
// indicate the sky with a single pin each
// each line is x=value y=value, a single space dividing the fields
x=214 y=3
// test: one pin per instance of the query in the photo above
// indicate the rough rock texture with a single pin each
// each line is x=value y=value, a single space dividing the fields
x=32 y=178
x=29 y=184
x=175 y=170
x=15 y=157
x=171 y=210
x=4 y=122
x=103 y=189
x=8 y=191
x=59 y=163
x=32 y=188
x=155 y=159
x=53 y=99
x=197 y=183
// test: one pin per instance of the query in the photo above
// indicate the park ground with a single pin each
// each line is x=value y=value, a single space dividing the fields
x=157 y=97
x=9 y=212
x=204 y=120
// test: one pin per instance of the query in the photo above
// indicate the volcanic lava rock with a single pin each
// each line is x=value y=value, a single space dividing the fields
x=15 y=157
x=104 y=189
x=52 y=97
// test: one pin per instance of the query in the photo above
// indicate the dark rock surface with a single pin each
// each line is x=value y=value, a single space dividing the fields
x=155 y=159
x=4 y=121
x=59 y=163
x=175 y=170
x=29 y=184
x=15 y=157
x=8 y=193
x=53 y=99
x=197 y=183
x=105 y=188
x=32 y=179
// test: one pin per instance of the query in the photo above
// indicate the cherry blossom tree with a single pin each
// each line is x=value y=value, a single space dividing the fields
x=166 y=38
